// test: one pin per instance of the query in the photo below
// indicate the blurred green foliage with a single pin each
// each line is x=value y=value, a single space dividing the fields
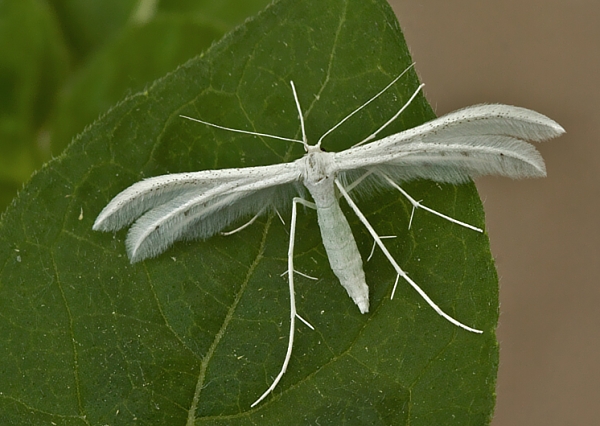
x=63 y=63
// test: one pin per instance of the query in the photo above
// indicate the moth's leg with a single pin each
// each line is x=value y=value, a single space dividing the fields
x=311 y=206
x=358 y=181
x=350 y=188
x=291 y=249
x=397 y=267
x=245 y=225
x=417 y=205
x=293 y=313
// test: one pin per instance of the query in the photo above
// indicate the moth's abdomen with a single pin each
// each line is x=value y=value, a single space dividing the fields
x=343 y=253
x=338 y=240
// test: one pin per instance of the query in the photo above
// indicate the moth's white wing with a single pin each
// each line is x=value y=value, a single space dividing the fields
x=474 y=141
x=142 y=196
x=205 y=203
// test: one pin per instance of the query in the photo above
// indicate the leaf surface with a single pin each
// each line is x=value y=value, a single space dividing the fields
x=195 y=335
x=126 y=65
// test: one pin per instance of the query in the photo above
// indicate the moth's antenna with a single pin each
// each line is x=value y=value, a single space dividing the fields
x=300 y=116
x=365 y=104
x=372 y=135
x=247 y=132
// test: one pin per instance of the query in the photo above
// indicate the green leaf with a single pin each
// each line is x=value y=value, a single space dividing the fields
x=195 y=335
x=33 y=63
x=226 y=13
x=138 y=56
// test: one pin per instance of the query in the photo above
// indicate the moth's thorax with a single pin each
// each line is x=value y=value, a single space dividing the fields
x=318 y=173
x=317 y=165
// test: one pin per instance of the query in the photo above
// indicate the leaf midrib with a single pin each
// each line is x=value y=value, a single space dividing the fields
x=228 y=318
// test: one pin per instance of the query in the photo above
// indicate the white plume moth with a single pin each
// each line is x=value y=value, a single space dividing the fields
x=474 y=141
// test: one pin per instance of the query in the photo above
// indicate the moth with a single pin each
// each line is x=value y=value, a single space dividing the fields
x=471 y=142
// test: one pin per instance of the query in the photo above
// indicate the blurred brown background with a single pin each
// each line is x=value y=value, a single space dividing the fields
x=543 y=55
